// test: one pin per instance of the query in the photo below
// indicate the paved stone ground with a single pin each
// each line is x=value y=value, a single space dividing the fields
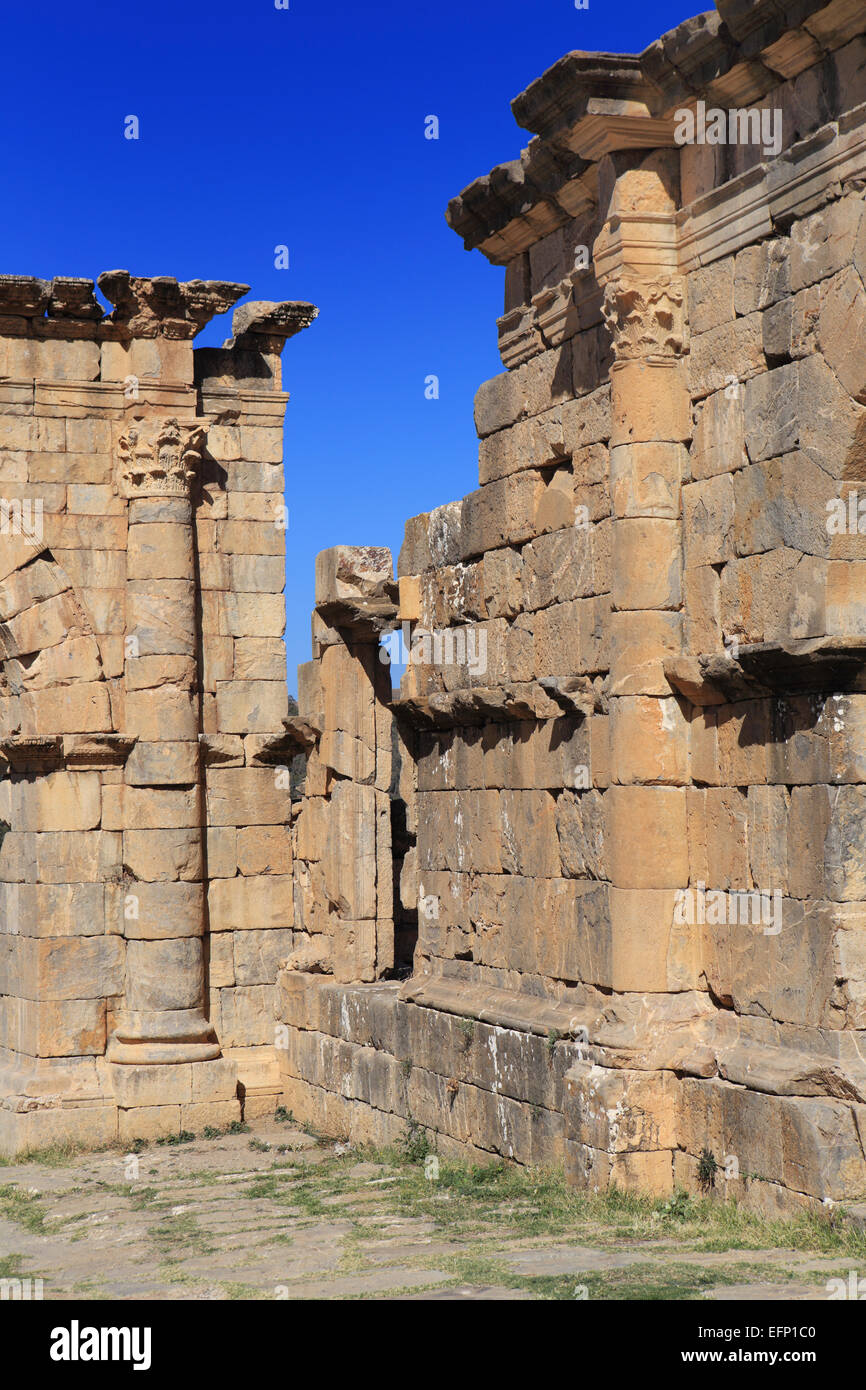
x=272 y=1212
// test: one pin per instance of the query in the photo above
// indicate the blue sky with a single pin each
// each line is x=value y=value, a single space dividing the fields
x=305 y=127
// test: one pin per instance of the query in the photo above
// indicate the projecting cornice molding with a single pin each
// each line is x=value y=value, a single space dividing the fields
x=588 y=105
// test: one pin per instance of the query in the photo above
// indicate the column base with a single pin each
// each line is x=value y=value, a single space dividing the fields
x=163 y=1039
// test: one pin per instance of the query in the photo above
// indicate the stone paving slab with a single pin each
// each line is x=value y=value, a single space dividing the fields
x=218 y=1219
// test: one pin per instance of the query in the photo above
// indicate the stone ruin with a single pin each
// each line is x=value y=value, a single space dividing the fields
x=589 y=887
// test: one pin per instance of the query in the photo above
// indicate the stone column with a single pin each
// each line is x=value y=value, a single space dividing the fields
x=164 y=1020
x=636 y=261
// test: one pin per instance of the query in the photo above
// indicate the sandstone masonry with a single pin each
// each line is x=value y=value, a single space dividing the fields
x=627 y=789
x=145 y=857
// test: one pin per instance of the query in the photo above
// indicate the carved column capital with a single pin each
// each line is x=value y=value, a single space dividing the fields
x=646 y=317
x=158 y=458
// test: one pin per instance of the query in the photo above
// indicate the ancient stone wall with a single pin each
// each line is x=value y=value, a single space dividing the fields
x=630 y=731
x=145 y=857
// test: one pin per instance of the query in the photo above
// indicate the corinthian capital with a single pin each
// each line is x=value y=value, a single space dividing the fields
x=158 y=458
x=646 y=317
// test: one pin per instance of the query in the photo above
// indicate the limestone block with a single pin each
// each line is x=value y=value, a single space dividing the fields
x=845 y=862
x=152 y=1085
x=53 y=1028
x=160 y=617
x=222 y=854
x=622 y=1111
x=71 y=968
x=646 y=564
x=76 y=659
x=711 y=295
x=843 y=322
x=809 y=830
x=264 y=850
x=162 y=764
x=244 y=904
x=529 y=843
x=821 y=1150
x=640 y=643
x=67 y=532
x=150 y=808
x=255 y=615
x=164 y=714
x=147 y=1122
x=649 y=402
x=777 y=594
x=164 y=974
x=53 y=910
x=649 y=741
x=259 y=658
x=824 y=242
x=718 y=837
x=90 y=499
x=41 y=625
x=743 y=739
x=580 y=828
x=831 y=424
x=782 y=502
x=846 y=597
x=252 y=538
x=57 y=801
x=770 y=412
x=246 y=1015
x=257 y=955
x=163 y=855
x=572 y=638
x=719 y=444
x=156 y=911
x=556 y=567
x=708 y=520
x=211 y=1114
x=253 y=706
x=761 y=275
x=784 y=969
x=733 y=350
x=645 y=479
x=501 y=513
x=220 y=958
x=527 y=390
x=768 y=810
x=247 y=796
x=252 y=476
x=33 y=584
x=256 y=506
x=645 y=832
x=74 y=709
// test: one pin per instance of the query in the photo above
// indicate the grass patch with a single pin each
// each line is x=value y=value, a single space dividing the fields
x=178 y=1236
x=24 y=1208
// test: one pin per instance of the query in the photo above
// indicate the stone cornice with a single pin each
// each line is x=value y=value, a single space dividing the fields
x=590 y=104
